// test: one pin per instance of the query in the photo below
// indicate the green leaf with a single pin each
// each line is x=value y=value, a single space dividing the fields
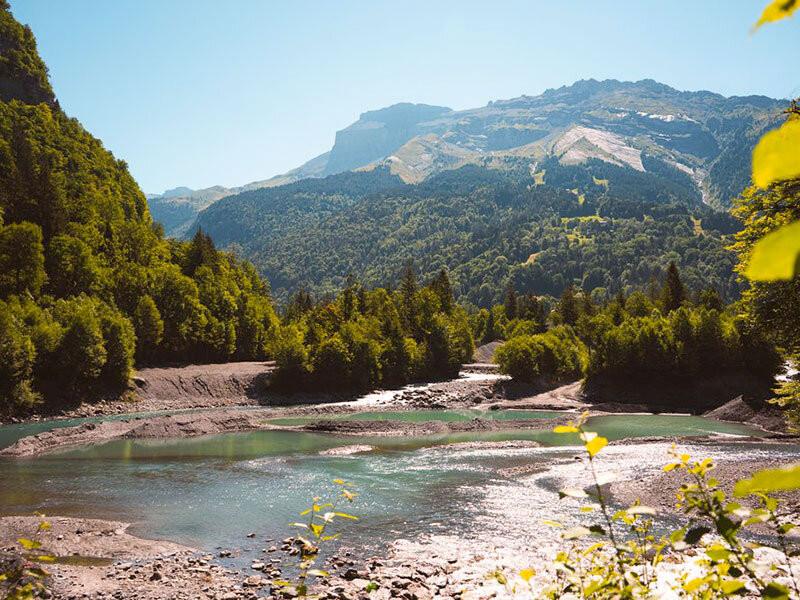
x=318 y=573
x=346 y=516
x=774 y=256
x=770 y=480
x=732 y=586
x=695 y=533
x=775 y=157
x=777 y=10
x=775 y=591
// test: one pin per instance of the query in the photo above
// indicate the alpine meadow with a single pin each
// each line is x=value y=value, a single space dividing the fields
x=545 y=348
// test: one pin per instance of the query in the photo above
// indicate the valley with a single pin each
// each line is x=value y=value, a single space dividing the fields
x=542 y=348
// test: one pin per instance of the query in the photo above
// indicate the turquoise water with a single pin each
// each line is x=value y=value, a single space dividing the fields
x=421 y=416
x=212 y=491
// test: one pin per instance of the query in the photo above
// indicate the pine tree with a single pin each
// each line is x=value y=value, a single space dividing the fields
x=568 y=306
x=441 y=286
x=149 y=328
x=673 y=295
x=409 y=288
x=511 y=303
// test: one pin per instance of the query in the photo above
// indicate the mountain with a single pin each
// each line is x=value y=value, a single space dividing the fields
x=706 y=135
x=597 y=184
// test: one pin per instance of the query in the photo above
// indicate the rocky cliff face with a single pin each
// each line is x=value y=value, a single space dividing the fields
x=378 y=133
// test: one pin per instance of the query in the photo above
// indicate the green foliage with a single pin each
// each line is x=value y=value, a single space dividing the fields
x=686 y=345
x=489 y=229
x=83 y=270
x=149 y=327
x=673 y=294
x=555 y=356
x=21 y=259
x=22 y=576
x=71 y=267
x=319 y=519
x=364 y=339
x=621 y=556
x=23 y=73
x=17 y=356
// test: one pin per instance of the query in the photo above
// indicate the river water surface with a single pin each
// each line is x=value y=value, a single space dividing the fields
x=211 y=492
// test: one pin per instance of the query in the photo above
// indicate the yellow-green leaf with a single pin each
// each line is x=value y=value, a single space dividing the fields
x=346 y=516
x=565 y=429
x=775 y=256
x=732 y=586
x=775 y=157
x=28 y=544
x=318 y=573
x=595 y=445
x=777 y=10
x=770 y=480
x=552 y=523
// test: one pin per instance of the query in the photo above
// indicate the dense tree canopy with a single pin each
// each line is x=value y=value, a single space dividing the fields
x=596 y=226
x=84 y=272
x=363 y=339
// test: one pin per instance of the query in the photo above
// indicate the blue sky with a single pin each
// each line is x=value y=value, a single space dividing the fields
x=202 y=92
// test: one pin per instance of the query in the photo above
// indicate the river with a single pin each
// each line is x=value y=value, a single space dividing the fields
x=211 y=492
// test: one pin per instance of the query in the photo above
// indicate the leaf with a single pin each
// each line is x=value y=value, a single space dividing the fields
x=29 y=544
x=770 y=480
x=732 y=586
x=552 y=523
x=775 y=157
x=695 y=533
x=775 y=591
x=777 y=10
x=572 y=493
x=576 y=532
x=718 y=553
x=774 y=256
x=318 y=573
x=565 y=429
x=604 y=478
x=526 y=574
x=641 y=510
x=594 y=446
x=346 y=516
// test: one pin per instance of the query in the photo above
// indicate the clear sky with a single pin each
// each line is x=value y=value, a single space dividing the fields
x=205 y=92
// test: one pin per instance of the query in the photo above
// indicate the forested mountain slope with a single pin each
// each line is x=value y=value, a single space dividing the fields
x=87 y=281
x=596 y=225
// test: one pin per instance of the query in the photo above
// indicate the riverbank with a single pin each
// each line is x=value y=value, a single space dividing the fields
x=98 y=559
x=483 y=393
